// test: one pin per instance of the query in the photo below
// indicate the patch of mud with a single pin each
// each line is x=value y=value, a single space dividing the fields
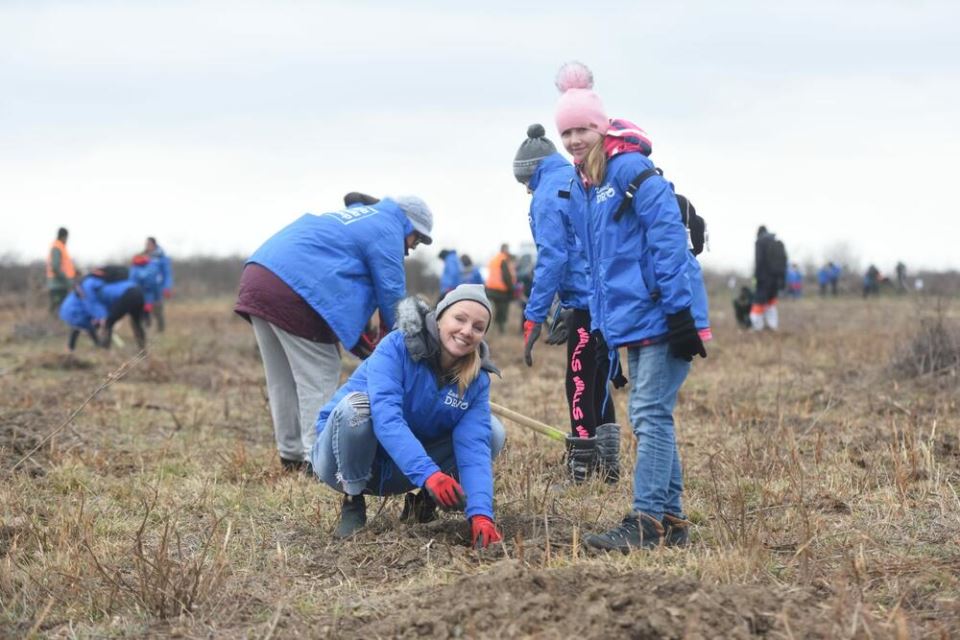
x=61 y=362
x=587 y=601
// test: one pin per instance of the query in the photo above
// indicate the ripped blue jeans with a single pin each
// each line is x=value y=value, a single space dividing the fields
x=348 y=457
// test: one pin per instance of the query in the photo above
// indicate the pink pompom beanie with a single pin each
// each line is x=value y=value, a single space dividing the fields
x=578 y=105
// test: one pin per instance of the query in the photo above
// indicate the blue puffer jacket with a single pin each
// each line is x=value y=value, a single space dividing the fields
x=450 y=277
x=408 y=407
x=641 y=266
x=344 y=263
x=165 y=268
x=75 y=313
x=561 y=264
x=93 y=301
x=149 y=278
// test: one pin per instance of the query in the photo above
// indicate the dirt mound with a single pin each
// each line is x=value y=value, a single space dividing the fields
x=589 y=601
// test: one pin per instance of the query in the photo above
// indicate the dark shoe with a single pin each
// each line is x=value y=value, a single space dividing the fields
x=581 y=457
x=677 y=530
x=353 y=516
x=608 y=452
x=418 y=507
x=635 y=532
x=293 y=466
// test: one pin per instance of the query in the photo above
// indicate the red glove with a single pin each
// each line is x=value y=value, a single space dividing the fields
x=148 y=307
x=445 y=491
x=483 y=532
x=168 y=293
x=531 y=333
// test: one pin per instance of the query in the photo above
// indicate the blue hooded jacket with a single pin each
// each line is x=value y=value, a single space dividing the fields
x=344 y=264
x=165 y=268
x=410 y=406
x=450 y=277
x=149 y=278
x=561 y=264
x=641 y=265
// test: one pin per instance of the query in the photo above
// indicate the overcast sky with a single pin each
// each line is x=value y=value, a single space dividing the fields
x=213 y=124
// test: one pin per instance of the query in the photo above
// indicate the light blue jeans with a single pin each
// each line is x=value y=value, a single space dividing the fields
x=657 y=478
x=348 y=457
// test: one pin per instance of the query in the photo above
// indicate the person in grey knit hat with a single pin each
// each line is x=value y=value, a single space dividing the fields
x=532 y=150
x=474 y=292
x=593 y=446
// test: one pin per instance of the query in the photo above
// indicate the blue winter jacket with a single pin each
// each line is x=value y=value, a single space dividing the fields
x=471 y=275
x=641 y=265
x=149 y=278
x=344 y=264
x=561 y=264
x=93 y=302
x=450 y=277
x=410 y=406
x=165 y=268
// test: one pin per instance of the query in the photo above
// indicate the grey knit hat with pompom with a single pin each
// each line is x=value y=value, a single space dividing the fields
x=534 y=149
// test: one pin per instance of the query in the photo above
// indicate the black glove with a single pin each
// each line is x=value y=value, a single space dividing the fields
x=682 y=336
x=531 y=333
x=558 y=330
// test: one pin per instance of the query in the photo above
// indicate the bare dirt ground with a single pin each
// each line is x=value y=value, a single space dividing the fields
x=822 y=480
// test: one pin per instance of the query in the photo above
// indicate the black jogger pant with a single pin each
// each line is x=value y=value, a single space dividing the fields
x=588 y=365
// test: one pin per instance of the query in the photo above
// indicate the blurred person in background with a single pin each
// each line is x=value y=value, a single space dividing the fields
x=501 y=279
x=647 y=296
x=164 y=277
x=316 y=283
x=469 y=272
x=145 y=273
x=794 y=282
x=416 y=414
x=98 y=302
x=769 y=272
x=450 y=276
x=561 y=271
x=60 y=270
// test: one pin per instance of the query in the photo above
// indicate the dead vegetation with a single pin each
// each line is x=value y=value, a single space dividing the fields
x=822 y=484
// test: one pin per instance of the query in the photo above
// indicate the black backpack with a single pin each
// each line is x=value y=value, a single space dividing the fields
x=696 y=225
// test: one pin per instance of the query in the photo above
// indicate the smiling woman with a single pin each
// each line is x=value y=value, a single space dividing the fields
x=416 y=413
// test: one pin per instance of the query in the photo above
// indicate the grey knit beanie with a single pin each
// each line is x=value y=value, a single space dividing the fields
x=534 y=149
x=474 y=292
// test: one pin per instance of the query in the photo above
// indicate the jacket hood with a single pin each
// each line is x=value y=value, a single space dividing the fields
x=418 y=324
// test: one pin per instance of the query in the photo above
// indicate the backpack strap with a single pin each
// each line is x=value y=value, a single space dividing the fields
x=631 y=190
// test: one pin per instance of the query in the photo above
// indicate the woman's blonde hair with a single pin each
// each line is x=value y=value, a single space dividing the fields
x=594 y=165
x=465 y=370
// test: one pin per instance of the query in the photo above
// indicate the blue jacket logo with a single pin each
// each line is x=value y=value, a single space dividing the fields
x=605 y=192
x=453 y=400
x=346 y=216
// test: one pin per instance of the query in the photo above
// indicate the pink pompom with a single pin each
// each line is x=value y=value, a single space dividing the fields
x=574 y=75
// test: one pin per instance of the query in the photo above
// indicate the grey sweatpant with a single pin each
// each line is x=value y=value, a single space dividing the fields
x=301 y=377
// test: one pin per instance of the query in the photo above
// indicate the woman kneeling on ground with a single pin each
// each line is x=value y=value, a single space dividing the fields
x=416 y=413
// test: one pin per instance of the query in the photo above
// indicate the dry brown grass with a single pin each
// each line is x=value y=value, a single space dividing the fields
x=823 y=488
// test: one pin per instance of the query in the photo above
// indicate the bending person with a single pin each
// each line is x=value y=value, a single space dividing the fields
x=416 y=414
x=316 y=283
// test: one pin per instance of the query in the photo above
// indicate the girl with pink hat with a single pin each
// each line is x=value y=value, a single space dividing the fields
x=647 y=296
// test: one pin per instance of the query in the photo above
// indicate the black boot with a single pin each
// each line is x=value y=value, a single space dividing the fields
x=677 y=530
x=353 y=515
x=608 y=452
x=418 y=507
x=636 y=531
x=581 y=457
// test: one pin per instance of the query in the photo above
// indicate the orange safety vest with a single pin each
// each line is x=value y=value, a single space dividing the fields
x=495 y=275
x=66 y=264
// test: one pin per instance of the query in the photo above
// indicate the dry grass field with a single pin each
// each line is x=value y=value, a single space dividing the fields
x=821 y=475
